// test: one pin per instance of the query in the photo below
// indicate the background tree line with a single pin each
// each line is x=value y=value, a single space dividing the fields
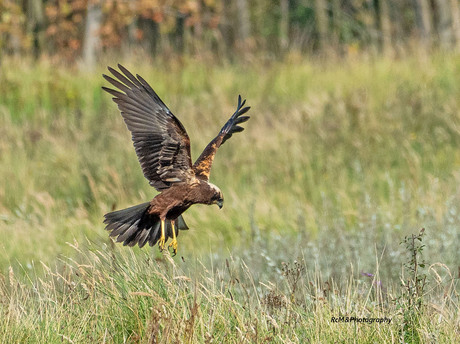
x=72 y=29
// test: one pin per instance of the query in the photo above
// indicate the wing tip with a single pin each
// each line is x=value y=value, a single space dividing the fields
x=126 y=72
x=111 y=69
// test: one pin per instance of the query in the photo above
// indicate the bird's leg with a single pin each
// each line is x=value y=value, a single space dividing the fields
x=161 y=242
x=174 y=239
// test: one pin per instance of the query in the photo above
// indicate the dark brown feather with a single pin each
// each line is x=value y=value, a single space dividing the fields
x=161 y=141
x=202 y=166
x=135 y=225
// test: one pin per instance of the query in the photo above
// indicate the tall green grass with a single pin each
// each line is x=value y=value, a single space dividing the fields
x=337 y=164
x=112 y=295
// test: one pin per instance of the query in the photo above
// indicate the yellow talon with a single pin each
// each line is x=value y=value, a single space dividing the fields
x=174 y=246
x=174 y=239
x=161 y=242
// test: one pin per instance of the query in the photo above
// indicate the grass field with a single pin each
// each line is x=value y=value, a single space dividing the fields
x=340 y=162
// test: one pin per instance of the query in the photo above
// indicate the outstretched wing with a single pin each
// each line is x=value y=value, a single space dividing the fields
x=161 y=142
x=203 y=164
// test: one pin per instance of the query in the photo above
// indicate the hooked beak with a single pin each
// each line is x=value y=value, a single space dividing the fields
x=220 y=204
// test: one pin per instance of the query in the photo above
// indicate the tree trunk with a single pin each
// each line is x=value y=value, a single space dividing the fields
x=456 y=22
x=336 y=22
x=284 y=25
x=321 y=23
x=444 y=23
x=373 y=27
x=385 y=26
x=36 y=25
x=130 y=41
x=244 y=25
x=91 y=42
x=152 y=38
x=180 y=32
x=423 y=15
x=226 y=29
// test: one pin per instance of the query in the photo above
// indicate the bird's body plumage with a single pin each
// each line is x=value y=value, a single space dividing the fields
x=163 y=148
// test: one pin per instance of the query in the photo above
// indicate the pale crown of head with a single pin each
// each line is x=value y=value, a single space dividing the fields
x=215 y=188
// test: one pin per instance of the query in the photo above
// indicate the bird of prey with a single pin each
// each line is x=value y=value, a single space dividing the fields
x=163 y=149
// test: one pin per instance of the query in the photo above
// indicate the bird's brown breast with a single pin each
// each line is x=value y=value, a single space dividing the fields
x=178 y=198
x=172 y=202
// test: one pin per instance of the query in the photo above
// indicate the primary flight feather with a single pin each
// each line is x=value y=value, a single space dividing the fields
x=163 y=148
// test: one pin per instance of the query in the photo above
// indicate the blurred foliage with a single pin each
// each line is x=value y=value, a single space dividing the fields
x=12 y=29
x=64 y=30
x=198 y=27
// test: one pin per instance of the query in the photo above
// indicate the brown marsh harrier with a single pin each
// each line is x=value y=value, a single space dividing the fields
x=163 y=149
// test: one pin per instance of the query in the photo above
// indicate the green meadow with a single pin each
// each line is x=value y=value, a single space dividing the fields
x=326 y=192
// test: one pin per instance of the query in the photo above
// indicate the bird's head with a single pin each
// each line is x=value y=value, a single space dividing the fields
x=217 y=196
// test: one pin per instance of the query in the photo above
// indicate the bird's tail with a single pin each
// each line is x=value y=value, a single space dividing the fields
x=135 y=225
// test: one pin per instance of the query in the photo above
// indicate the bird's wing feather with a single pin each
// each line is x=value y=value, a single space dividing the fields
x=203 y=164
x=161 y=141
